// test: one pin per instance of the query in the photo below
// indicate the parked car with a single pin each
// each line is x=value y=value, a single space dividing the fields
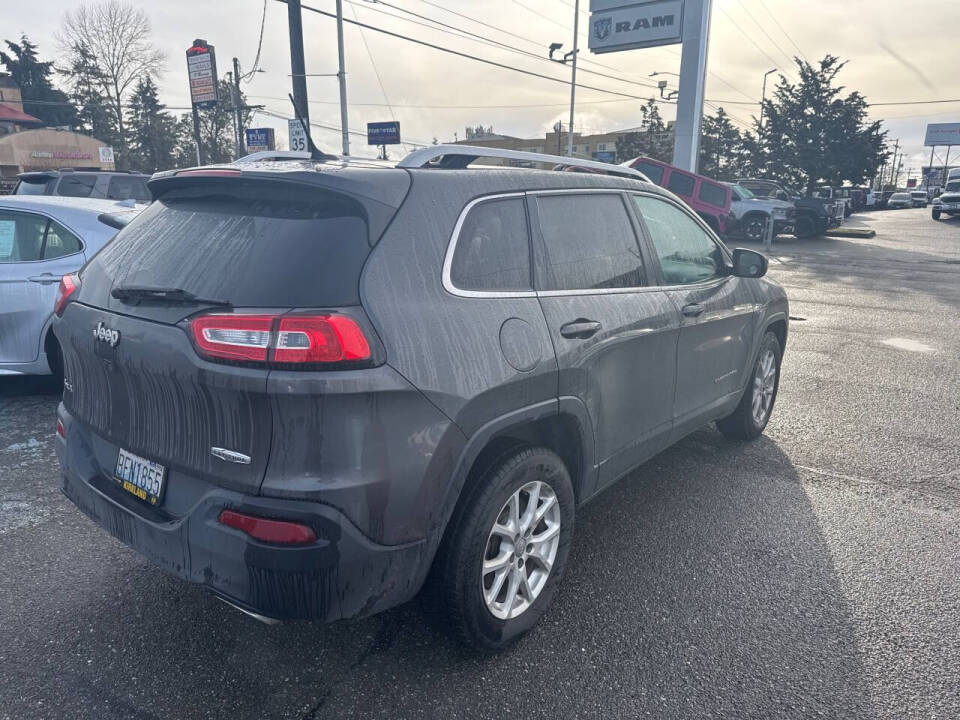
x=67 y=182
x=920 y=198
x=708 y=198
x=306 y=386
x=948 y=203
x=953 y=174
x=41 y=240
x=900 y=200
x=750 y=214
x=814 y=216
x=838 y=195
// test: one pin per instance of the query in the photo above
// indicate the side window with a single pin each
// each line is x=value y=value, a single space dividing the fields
x=687 y=254
x=588 y=243
x=21 y=236
x=60 y=242
x=654 y=172
x=715 y=195
x=680 y=184
x=493 y=250
x=76 y=185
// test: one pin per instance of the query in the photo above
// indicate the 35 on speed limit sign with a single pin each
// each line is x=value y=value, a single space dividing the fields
x=298 y=138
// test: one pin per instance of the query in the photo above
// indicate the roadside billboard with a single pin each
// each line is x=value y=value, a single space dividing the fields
x=623 y=25
x=942 y=134
x=259 y=139
x=383 y=133
x=202 y=69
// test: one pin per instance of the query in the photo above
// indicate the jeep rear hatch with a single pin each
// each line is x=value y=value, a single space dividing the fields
x=219 y=247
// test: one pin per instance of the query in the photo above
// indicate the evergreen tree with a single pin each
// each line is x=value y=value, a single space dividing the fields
x=40 y=98
x=651 y=139
x=152 y=130
x=86 y=83
x=720 y=147
x=814 y=135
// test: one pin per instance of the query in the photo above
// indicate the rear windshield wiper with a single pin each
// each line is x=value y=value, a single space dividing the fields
x=172 y=296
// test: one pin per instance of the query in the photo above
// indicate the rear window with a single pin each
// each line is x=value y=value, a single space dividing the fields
x=31 y=188
x=654 y=172
x=253 y=248
x=126 y=188
x=680 y=184
x=713 y=194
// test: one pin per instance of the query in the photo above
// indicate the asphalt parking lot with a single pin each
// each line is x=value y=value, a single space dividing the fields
x=812 y=573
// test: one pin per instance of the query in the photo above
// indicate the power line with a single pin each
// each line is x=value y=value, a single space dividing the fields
x=458 y=53
x=256 y=60
x=742 y=32
x=766 y=34
x=488 y=40
x=786 y=34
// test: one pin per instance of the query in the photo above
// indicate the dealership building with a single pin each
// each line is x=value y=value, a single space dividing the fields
x=26 y=145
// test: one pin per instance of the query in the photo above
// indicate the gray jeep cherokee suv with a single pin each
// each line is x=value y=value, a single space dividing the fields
x=308 y=386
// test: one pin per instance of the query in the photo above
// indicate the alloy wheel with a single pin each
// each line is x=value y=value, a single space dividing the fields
x=520 y=551
x=764 y=384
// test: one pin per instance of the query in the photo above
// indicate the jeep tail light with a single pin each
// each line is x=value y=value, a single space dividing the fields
x=286 y=340
x=320 y=339
x=69 y=284
x=273 y=531
x=244 y=338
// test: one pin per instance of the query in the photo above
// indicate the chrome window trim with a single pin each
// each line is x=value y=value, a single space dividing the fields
x=452 y=248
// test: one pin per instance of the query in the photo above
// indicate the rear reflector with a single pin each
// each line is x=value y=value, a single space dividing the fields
x=273 y=531
x=280 y=339
x=61 y=430
x=68 y=286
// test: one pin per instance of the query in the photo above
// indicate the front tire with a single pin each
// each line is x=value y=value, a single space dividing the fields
x=506 y=548
x=753 y=413
x=936 y=213
x=804 y=227
x=754 y=227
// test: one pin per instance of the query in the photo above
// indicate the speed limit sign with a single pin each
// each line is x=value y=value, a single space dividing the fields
x=298 y=138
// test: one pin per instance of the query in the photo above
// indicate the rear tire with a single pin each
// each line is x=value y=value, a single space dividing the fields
x=804 y=227
x=756 y=406
x=55 y=359
x=477 y=553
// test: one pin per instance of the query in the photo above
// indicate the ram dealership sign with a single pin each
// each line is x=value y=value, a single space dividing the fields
x=942 y=134
x=625 y=25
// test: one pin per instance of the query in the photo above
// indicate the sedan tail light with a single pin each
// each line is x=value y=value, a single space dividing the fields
x=69 y=284
x=281 y=340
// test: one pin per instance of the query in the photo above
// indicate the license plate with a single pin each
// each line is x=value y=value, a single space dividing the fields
x=140 y=477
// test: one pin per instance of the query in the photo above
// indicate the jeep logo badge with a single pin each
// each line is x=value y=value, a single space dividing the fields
x=104 y=334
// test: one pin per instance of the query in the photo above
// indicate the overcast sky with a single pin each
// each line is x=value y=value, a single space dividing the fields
x=896 y=51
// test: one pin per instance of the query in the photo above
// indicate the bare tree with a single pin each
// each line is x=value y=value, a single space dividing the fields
x=115 y=35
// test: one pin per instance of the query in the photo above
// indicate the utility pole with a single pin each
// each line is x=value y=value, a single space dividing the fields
x=946 y=167
x=930 y=168
x=573 y=74
x=893 y=165
x=342 y=76
x=763 y=95
x=297 y=70
x=237 y=110
x=201 y=156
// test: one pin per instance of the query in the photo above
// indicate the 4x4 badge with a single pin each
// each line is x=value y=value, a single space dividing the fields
x=104 y=334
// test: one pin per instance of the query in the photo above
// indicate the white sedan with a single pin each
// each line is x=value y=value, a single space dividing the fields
x=900 y=200
x=43 y=238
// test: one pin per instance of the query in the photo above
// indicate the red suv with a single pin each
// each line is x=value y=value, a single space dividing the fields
x=708 y=198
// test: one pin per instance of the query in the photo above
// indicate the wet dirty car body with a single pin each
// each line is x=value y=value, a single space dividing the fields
x=282 y=351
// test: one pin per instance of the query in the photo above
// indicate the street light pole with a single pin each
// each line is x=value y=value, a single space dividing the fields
x=573 y=74
x=342 y=75
x=763 y=96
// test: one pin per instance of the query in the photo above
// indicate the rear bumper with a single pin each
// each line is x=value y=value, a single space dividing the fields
x=342 y=574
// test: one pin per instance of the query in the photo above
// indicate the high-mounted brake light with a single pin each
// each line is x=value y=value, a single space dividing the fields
x=210 y=173
x=69 y=284
x=285 y=340
x=273 y=531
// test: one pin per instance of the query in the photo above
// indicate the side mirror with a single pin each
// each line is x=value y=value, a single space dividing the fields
x=783 y=196
x=749 y=263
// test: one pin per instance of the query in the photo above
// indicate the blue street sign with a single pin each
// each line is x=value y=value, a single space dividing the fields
x=605 y=156
x=259 y=139
x=383 y=133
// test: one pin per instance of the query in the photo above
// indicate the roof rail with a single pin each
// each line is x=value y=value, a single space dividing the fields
x=460 y=156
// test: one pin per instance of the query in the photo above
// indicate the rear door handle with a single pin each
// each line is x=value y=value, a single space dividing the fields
x=45 y=279
x=580 y=328
x=692 y=310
